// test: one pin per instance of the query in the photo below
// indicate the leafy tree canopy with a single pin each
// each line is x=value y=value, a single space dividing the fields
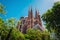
x=2 y=11
x=52 y=18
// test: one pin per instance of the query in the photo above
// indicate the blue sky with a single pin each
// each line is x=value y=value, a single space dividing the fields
x=18 y=8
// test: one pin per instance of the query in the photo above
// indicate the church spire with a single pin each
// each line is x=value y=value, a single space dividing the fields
x=36 y=14
x=30 y=13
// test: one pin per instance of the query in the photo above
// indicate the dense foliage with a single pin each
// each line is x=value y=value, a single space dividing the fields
x=11 y=33
x=35 y=34
x=52 y=19
x=2 y=11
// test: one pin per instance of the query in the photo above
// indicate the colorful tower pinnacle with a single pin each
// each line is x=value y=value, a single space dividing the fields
x=37 y=17
x=30 y=17
x=30 y=13
x=36 y=14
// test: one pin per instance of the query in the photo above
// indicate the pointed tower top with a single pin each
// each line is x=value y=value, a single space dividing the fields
x=36 y=14
x=37 y=11
x=30 y=9
x=30 y=13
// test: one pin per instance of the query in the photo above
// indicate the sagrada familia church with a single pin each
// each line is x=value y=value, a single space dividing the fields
x=30 y=22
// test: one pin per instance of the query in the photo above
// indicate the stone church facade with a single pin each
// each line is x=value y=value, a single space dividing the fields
x=30 y=21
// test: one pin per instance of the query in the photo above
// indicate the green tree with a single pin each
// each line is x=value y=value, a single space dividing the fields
x=52 y=18
x=8 y=29
x=1 y=21
x=2 y=11
x=33 y=34
x=36 y=34
x=3 y=30
x=11 y=34
x=16 y=35
x=11 y=22
x=45 y=35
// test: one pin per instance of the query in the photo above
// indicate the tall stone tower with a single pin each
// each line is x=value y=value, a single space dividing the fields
x=30 y=17
x=30 y=13
x=37 y=18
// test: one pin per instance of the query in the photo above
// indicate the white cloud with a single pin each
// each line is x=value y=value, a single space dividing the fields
x=56 y=0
